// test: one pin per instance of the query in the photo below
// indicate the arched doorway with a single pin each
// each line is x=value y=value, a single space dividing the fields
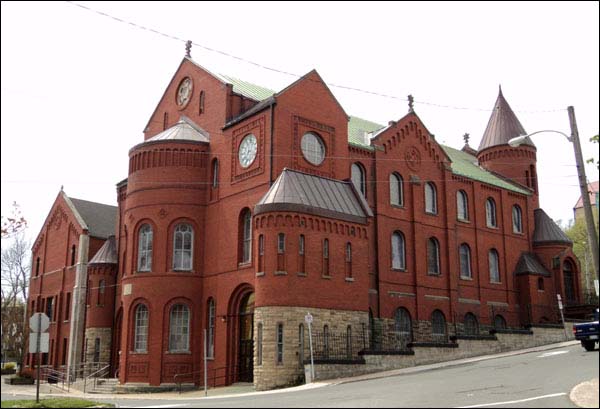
x=116 y=344
x=246 y=339
x=569 y=282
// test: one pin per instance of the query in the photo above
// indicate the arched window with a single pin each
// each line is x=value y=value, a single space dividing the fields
x=499 y=322
x=348 y=260
x=179 y=330
x=471 y=324
x=494 y=262
x=73 y=251
x=569 y=282
x=215 y=173
x=145 y=248
x=101 y=290
x=201 y=103
x=183 y=240
x=462 y=205
x=326 y=257
x=398 y=251
x=140 y=343
x=259 y=344
x=210 y=350
x=396 y=190
x=301 y=345
x=279 y=343
x=245 y=234
x=37 y=266
x=540 y=284
x=430 y=198
x=517 y=217
x=281 y=252
x=433 y=256
x=301 y=263
x=438 y=326
x=403 y=325
x=490 y=213
x=261 y=253
x=465 y=261
x=359 y=179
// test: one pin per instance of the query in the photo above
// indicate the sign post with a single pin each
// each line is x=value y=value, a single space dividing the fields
x=38 y=343
x=562 y=316
x=309 y=319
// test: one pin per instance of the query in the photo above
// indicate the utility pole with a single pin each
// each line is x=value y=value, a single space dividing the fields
x=585 y=196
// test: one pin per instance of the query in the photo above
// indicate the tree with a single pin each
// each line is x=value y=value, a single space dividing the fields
x=594 y=139
x=577 y=232
x=13 y=223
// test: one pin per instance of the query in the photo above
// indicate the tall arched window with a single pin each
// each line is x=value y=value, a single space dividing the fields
x=73 y=251
x=359 y=179
x=499 y=322
x=438 y=326
x=494 y=262
x=517 y=217
x=301 y=262
x=569 y=282
x=215 y=173
x=261 y=253
x=140 y=342
x=326 y=257
x=245 y=234
x=462 y=205
x=490 y=213
x=210 y=350
x=398 y=251
x=465 y=261
x=348 y=260
x=301 y=345
x=433 y=256
x=281 y=252
x=145 y=248
x=101 y=290
x=403 y=325
x=471 y=324
x=183 y=240
x=179 y=331
x=396 y=190
x=430 y=198
x=259 y=344
x=37 y=266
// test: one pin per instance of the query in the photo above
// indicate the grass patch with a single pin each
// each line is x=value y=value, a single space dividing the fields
x=55 y=403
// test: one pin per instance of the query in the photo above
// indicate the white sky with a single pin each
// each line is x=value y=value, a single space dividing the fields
x=78 y=88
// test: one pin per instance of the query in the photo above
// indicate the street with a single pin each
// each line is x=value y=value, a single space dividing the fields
x=540 y=379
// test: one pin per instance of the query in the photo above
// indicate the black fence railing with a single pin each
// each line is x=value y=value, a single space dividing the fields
x=330 y=346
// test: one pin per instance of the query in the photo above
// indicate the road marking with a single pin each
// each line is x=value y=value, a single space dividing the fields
x=547 y=354
x=177 y=405
x=514 y=401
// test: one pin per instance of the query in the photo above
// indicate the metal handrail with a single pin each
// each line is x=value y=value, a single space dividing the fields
x=95 y=376
x=49 y=372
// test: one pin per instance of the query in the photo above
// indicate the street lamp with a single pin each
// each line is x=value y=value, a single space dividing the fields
x=589 y=219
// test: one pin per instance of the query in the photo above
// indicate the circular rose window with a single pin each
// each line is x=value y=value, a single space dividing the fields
x=313 y=148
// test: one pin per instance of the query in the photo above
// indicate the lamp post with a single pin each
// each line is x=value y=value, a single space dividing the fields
x=589 y=218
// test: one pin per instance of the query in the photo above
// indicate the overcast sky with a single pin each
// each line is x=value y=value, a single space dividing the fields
x=78 y=87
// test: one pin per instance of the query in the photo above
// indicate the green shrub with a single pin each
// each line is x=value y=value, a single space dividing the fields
x=9 y=366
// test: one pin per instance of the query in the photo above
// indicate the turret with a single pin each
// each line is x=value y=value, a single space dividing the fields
x=517 y=164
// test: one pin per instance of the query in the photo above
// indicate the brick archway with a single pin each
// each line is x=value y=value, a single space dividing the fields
x=234 y=337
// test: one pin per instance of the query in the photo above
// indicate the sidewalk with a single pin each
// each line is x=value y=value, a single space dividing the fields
x=583 y=395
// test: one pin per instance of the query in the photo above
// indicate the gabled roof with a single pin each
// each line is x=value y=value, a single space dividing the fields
x=529 y=264
x=546 y=231
x=502 y=126
x=99 y=218
x=185 y=129
x=295 y=191
x=357 y=127
x=107 y=253
x=592 y=189
x=247 y=89
x=466 y=165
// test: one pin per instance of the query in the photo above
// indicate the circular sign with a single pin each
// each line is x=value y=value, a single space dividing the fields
x=39 y=322
x=308 y=318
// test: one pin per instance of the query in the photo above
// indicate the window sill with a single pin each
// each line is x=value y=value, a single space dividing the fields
x=178 y=352
x=326 y=277
x=466 y=221
x=518 y=233
x=260 y=274
x=401 y=270
x=300 y=274
x=397 y=206
x=280 y=273
x=491 y=227
x=245 y=264
x=466 y=278
x=431 y=213
x=434 y=274
x=496 y=282
x=138 y=353
x=181 y=271
x=349 y=279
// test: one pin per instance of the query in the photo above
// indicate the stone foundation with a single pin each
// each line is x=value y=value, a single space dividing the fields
x=271 y=374
x=105 y=336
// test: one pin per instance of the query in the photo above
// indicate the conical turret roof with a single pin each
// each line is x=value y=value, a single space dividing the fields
x=502 y=126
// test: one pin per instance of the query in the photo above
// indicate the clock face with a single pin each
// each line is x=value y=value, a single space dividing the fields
x=247 y=151
x=184 y=92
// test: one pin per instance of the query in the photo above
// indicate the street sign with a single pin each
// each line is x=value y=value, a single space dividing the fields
x=308 y=318
x=44 y=342
x=560 y=304
x=39 y=322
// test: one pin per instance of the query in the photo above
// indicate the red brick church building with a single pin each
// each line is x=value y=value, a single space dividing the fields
x=245 y=208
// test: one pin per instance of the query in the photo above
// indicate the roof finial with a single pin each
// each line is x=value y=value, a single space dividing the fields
x=188 y=48
x=411 y=102
x=500 y=89
x=61 y=188
x=466 y=138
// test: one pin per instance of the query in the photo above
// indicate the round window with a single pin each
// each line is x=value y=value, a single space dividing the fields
x=247 y=151
x=313 y=148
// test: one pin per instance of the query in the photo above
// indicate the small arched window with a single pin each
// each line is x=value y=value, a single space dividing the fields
x=261 y=253
x=179 y=329
x=37 y=266
x=215 y=173
x=499 y=322
x=348 y=260
x=462 y=205
x=438 y=326
x=73 y=251
x=259 y=344
x=396 y=190
x=471 y=324
x=301 y=345
x=465 y=261
x=245 y=235
x=490 y=213
x=183 y=240
x=145 y=248
x=101 y=291
x=403 y=325
x=398 y=251
x=201 y=103
x=433 y=256
x=517 y=217
x=494 y=264
x=430 y=198
x=359 y=178
x=326 y=257
x=140 y=343
x=540 y=284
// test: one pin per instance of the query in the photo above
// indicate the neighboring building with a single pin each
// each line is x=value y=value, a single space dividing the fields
x=578 y=211
x=245 y=208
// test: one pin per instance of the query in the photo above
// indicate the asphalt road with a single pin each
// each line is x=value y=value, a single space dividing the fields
x=541 y=379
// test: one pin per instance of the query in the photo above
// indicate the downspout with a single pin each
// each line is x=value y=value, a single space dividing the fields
x=376 y=237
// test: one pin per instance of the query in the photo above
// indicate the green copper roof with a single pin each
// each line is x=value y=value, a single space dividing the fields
x=247 y=89
x=356 y=129
x=466 y=165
